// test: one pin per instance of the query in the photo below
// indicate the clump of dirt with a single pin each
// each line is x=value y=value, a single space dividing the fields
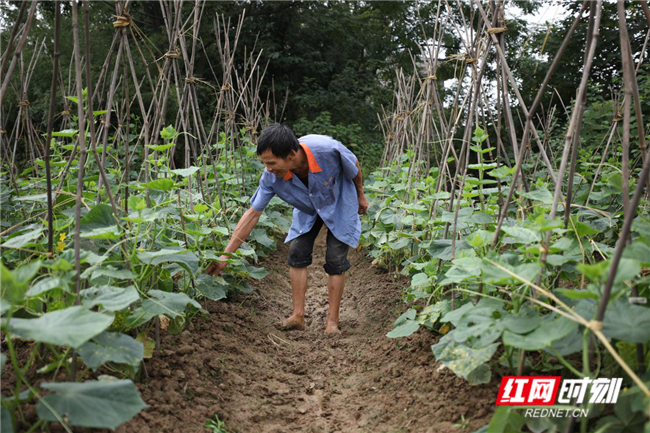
x=237 y=365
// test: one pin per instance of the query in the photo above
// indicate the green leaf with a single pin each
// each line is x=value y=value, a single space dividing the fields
x=578 y=294
x=583 y=229
x=99 y=404
x=406 y=316
x=502 y=172
x=200 y=208
x=160 y=147
x=99 y=216
x=399 y=243
x=413 y=207
x=33 y=197
x=595 y=271
x=505 y=420
x=470 y=264
x=169 y=304
x=72 y=326
x=464 y=215
x=482 y=167
x=482 y=218
x=4 y=307
x=23 y=240
x=543 y=336
x=542 y=195
x=113 y=347
x=558 y=260
x=111 y=272
x=260 y=236
x=6 y=422
x=627 y=322
x=455 y=315
x=496 y=276
x=143 y=216
x=442 y=195
x=479 y=135
x=480 y=375
x=638 y=251
x=184 y=172
x=404 y=330
x=162 y=184
x=169 y=133
x=109 y=297
x=211 y=289
x=523 y=322
x=137 y=203
x=568 y=345
x=521 y=234
x=47 y=284
x=479 y=238
x=455 y=274
x=186 y=259
x=111 y=232
x=627 y=270
x=15 y=283
x=478 y=149
x=479 y=324
x=431 y=313
x=460 y=358
x=441 y=248
x=420 y=279
x=257 y=273
x=65 y=133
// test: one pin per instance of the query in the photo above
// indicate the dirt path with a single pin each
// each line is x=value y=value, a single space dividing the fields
x=258 y=379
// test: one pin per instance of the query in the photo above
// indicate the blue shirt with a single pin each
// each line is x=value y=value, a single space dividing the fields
x=331 y=195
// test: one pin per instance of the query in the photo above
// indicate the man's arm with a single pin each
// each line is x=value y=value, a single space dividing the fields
x=244 y=228
x=358 y=183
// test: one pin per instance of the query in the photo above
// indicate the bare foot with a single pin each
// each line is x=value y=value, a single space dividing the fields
x=293 y=322
x=332 y=328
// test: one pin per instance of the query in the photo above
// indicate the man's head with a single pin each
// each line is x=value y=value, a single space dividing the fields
x=277 y=148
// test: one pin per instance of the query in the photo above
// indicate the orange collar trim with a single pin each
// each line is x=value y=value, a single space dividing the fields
x=311 y=162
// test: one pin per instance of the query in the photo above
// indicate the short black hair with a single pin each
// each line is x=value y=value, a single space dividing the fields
x=279 y=139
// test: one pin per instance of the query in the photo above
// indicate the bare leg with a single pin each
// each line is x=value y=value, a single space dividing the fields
x=298 y=289
x=335 y=284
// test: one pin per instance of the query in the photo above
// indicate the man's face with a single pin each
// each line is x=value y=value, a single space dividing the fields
x=276 y=165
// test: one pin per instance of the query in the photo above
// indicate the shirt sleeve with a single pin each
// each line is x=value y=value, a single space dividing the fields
x=348 y=162
x=262 y=196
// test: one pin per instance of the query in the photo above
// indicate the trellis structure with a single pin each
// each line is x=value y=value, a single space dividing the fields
x=418 y=123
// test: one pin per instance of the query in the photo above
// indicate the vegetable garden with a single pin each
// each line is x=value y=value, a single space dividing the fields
x=519 y=222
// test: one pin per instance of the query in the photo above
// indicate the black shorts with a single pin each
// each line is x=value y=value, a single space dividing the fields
x=336 y=257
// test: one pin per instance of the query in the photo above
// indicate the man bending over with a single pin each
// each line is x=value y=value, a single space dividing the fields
x=321 y=178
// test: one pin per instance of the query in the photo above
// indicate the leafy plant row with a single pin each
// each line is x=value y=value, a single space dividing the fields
x=502 y=303
x=140 y=275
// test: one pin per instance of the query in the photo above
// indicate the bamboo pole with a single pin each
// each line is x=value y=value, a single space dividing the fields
x=18 y=51
x=50 y=122
x=81 y=137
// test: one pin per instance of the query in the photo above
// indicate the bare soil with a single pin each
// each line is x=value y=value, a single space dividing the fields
x=237 y=365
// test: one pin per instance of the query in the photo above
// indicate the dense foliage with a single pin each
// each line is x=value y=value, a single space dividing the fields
x=139 y=274
x=496 y=304
x=517 y=298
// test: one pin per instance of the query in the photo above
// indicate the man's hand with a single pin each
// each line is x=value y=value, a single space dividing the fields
x=358 y=184
x=363 y=204
x=215 y=268
x=243 y=229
